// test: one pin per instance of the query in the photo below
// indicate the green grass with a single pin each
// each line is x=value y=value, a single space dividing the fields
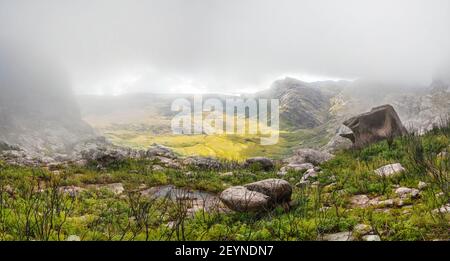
x=100 y=215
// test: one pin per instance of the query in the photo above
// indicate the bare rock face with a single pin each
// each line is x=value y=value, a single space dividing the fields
x=381 y=123
x=38 y=111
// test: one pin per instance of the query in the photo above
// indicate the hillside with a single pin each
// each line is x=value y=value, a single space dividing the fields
x=311 y=116
x=38 y=111
x=171 y=198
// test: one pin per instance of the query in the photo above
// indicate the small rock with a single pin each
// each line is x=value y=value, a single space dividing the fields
x=390 y=170
x=359 y=200
x=442 y=155
x=265 y=163
x=168 y=162
x=309 y=155
x=157 y=168
x=295 y=167
x=371 y=238
x=402 y=191
x=422 y=185
x=443 y=209
x=226 y=174
x=341 y=236
x=388 y=203
x=362 y=229
x=73 y=238
x=71 y=190
x=203 y=163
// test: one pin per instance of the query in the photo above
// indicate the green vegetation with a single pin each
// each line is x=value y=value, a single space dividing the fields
x=33 y=206
x=230 y=147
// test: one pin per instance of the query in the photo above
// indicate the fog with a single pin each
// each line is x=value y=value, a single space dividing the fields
x=114 y=47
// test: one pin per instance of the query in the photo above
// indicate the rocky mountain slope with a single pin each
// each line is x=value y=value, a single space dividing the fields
x=319 y=108
x=38 y=112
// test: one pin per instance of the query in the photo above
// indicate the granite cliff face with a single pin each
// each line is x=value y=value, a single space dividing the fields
x=38 y=111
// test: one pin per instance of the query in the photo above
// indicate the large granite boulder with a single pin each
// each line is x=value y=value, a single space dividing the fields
x=278 y=190
x=381 y=123
x=258 y=196
x=241 y=199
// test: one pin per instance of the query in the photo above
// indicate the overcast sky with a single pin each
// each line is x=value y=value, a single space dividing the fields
x=112 y=47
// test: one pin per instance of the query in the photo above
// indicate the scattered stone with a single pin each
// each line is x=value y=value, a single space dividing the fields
x=362 y=230
x=203 y=163
x=388 y=203
x=404 y=192
x=265 y=163
x=226 y=174
x=422 y=185
x=390 y=170
x=157 y=168
x=295 y=167
x=168 y=162
x=73 y=238
x=189 y=174
x=73 y=191
x=444 y=209
x=159 y=150
x=324 y=209
x=341 y=236
x=359 y=200
x=371 y=238
x=442 y=155
x=309 y=156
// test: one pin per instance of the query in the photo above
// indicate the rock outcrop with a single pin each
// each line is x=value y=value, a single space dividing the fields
x=38 y=111
x=381 y=123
